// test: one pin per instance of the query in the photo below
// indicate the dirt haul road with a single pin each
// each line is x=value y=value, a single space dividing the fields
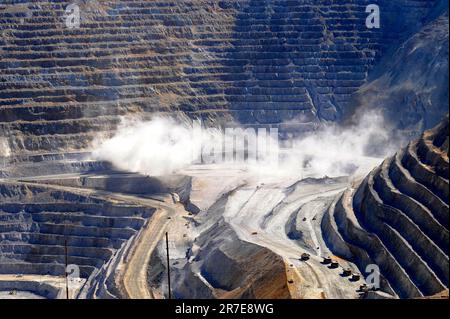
x=259 y=215
x=135 y=273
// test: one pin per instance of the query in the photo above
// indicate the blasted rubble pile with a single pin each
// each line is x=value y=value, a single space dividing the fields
x=397 y=218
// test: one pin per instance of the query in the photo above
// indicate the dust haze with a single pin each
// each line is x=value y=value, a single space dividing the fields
x=4 y=147
x=164 y=146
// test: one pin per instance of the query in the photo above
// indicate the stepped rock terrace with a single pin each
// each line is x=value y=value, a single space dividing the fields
x=397 y=218
x=255 y=62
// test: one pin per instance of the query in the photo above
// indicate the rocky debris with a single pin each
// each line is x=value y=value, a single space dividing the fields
x=219 y=268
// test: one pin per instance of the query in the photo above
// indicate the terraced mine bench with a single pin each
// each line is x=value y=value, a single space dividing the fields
x=283 y=63
x=398 y=219
x=34 y=236
x=257 y=62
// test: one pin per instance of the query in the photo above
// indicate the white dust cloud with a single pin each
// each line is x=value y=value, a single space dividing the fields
x=5 y=151
x=158 y=147
x=163 y=146
x=339 y=151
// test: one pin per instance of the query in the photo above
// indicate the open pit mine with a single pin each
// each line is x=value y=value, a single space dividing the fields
x=100 y=197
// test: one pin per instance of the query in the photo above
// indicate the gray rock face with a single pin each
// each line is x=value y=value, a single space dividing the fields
x=398 y=218
x=285 y=63
x=410 y=84
x=257 y=62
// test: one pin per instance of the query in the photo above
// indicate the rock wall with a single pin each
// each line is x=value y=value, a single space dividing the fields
x=398 y=218
x=267 y=62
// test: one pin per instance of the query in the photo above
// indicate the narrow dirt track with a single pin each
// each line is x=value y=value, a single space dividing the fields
x=135 y=273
